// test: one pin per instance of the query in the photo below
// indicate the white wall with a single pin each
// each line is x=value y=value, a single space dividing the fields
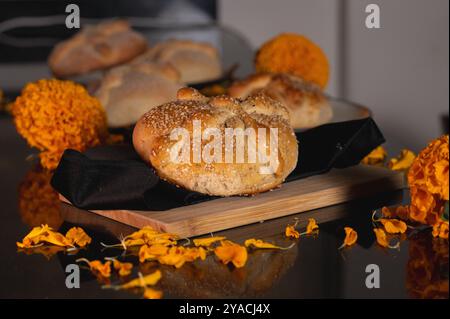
x=400 y=71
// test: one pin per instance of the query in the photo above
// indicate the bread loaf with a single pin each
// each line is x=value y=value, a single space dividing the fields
x=195 y=61
x=306 y=103
x=96 y=47
x=237 y=172
x=128 y=91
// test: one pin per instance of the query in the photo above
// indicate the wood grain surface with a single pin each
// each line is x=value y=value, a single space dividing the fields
x=335 y=187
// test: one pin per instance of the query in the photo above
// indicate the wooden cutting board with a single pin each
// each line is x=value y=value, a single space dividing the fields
x=335 y=187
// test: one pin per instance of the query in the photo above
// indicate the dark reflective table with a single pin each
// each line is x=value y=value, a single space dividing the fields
x=314 y=268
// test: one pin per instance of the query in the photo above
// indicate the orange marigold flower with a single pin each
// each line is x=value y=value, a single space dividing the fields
x=38 y=201
x=231 y=252
x=54 y=115
x=376 y=157
x=291 y=232
x=295 y=54
x=428 y=179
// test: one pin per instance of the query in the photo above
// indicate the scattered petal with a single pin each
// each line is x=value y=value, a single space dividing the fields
x=291 y=232
x=43 y=234
x=376 y=157
x=151 y=252
x=351 y=236
x=403 y=162
x=77 y=236
x=207 y=241
x=394 y=226
x=97 y=267
x=231 y=252
x=123 y=268
x=382 y=239
x=312 y=226
x=260 y=244
x=142 y=282
x=150 y=293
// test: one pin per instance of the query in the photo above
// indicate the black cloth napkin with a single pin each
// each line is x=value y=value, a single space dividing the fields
x=113 y=177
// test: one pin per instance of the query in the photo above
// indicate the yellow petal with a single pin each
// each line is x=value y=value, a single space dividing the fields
x=381 y=237
x=351 y=236
x=148 y=280
x=394 y=226
x=174 y=257
x=207 y=241
x=376 y=157
x=150 y=293
x=260 y=244
x=291 y=232
x=124 y=269
x=151 y=252
x=77 y=236
x=55 y=238
x=312 y=226
x=101 y=269
x=403 y=162
x=192 y=254
x=231 y=252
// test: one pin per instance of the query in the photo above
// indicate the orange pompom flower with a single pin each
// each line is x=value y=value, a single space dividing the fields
x=295 y=54
x=54 y=115
x=428 y=179
x=38 y=201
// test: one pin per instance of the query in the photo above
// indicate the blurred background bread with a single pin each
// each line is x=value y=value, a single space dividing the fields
x=151 y=139
x=306 y=103
x=96 y=47
x=196 y=61
x=128 y=91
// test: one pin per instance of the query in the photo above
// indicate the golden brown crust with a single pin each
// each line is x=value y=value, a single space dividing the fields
x=151 y=139
x=96 y=47
x=305 y=102
x=196 y=61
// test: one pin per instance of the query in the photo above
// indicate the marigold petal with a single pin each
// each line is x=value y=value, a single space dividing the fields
x=231 y=252
x=394 y=226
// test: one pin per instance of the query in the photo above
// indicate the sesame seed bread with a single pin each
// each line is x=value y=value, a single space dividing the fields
x=96 y=47
x=306 y=103
x=128 y=91
x=196 y=61
x=151 y=139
